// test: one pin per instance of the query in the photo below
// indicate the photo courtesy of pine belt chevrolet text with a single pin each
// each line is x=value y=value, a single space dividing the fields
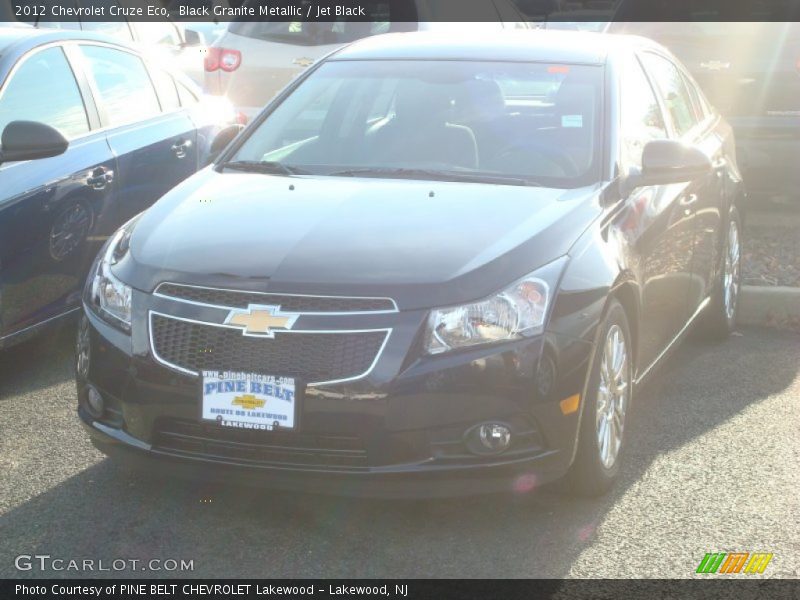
x=430 y=266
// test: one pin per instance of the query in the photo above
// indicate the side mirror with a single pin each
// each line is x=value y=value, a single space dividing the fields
x=29 y=140
x=668 y=161
x=222 y=139
x=193 y=38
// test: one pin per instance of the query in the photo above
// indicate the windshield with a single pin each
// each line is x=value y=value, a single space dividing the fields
x=532 y=122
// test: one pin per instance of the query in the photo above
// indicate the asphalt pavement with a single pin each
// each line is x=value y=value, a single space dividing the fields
x=713 y=465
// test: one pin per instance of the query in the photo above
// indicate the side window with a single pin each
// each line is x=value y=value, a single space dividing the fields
x=116 y=29
x=700 y=108
x=187 y=96
x=165 y=86
x=163 y=33
x=119 y=29
x=642 y=121
x=44 y=89
x=74 y=26
x=124 y=86
x=673 y=89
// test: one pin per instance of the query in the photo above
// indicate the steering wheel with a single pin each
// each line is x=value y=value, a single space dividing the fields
x=554 y=154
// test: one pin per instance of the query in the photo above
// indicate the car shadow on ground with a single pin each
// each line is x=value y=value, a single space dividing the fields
x=41 y=362
x=107 y=512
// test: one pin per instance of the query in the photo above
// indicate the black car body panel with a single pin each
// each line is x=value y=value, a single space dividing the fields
x=399 y=425
x=56 y=212
x=275 y=247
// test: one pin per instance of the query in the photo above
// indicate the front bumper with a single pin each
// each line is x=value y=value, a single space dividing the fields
x=396 y=432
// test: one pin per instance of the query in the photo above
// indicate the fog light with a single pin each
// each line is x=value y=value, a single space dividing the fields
x=94 y=402
x=489 y=438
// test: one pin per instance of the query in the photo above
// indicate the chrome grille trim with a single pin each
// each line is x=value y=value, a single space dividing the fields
x=268 y=295
x=151 y=342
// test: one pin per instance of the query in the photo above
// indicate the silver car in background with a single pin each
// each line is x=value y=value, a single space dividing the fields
x=253 y=60
x=181 y=44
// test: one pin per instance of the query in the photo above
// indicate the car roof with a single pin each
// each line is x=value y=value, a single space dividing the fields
x=576 y=47
x=10 y=34
x=18 y=40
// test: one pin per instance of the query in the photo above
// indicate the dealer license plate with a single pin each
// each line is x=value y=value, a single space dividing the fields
x=248 y=400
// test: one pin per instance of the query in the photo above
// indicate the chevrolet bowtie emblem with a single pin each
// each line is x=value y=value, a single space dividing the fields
x=260 y=320
x=248 y=402
x=303 y=62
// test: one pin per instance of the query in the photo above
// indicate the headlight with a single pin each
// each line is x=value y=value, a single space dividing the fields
x=516 y=312
x=108 y=295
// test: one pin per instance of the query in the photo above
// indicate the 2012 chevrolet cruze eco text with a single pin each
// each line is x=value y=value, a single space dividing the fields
x=429 y=267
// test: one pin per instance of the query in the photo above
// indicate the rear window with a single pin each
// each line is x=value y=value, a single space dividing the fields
x=319 y=33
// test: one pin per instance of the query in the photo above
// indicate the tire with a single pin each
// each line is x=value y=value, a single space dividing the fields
x=719 y=319
x=596 y=468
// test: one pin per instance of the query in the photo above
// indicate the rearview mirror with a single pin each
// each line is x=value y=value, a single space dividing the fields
x=222 y=139
x=29 y=140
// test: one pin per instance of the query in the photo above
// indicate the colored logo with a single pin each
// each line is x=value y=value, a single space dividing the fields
x=260 y=321
x=734 y=562
x=248 y=402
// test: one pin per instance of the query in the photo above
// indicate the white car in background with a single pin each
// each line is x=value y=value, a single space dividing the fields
x=253 y=60
x=181 y=44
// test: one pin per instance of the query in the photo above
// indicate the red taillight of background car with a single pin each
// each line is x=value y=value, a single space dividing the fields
x=211 y=60
x=222 y=58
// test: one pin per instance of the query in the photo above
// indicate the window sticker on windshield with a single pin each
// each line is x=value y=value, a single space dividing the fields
x=572 y=120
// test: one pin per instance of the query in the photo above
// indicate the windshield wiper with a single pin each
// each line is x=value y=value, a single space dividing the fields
x=264 y=166
x=405 y=173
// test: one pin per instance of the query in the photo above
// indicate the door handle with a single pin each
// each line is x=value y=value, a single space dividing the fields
x=99 y=178
x=181 y=148
x=687 y=202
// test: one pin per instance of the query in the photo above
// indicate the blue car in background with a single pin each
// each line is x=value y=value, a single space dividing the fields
x=93 y=132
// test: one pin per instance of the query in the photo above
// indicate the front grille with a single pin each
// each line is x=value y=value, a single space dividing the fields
x=287 y=302
x=309 y=357
x=243 y=446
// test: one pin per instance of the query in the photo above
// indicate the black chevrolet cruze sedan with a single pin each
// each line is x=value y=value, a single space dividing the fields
x=429 y=267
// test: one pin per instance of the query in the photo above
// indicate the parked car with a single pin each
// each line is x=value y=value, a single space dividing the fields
x=253 y=60
x=750 y=71
x=570 y=15
x=88 y=141
x=183 y=45
x=431 y=266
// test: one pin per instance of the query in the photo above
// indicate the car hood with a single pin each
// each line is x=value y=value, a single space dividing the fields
x=422 y=243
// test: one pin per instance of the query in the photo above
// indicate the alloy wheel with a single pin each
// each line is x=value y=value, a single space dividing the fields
x=612 y=396
x=732 y=270
x=69 y=231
